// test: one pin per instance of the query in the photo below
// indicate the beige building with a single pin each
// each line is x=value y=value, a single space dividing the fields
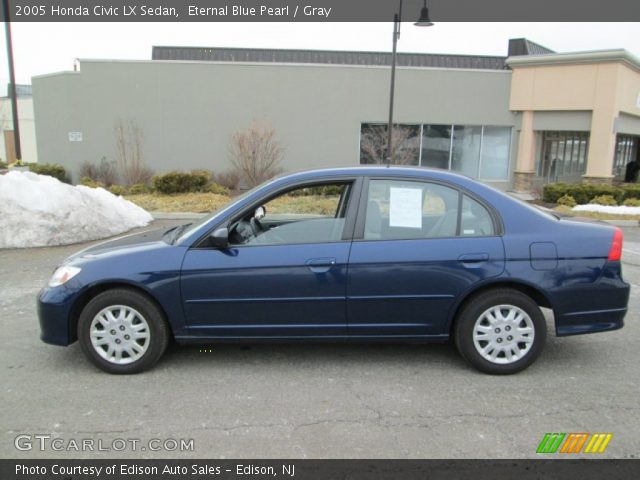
x=580 y=116
x=27 y=127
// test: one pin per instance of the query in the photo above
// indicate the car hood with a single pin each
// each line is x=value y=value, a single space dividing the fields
x=130 y=242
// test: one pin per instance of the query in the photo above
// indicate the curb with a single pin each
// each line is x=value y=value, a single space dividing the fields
x=623 y=223
x=176 y=215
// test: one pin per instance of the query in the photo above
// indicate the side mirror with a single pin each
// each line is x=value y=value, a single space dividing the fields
x=220 y=238
x=260 y=212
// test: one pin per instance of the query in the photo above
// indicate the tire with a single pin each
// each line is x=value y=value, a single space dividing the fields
x=497 y=315
x=122 y=331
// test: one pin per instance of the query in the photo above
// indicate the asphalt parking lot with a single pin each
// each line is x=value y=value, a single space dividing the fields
x=310 y=401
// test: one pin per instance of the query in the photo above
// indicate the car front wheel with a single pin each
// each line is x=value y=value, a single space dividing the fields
x=122 y=331
x=500 y=331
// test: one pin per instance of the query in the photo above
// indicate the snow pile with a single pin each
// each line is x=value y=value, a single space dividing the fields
x=615 y=210
x=38 y=210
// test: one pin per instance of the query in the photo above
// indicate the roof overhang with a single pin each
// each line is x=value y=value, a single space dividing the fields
x=598 y=56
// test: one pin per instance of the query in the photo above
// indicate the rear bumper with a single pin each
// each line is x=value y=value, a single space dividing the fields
x=597 y=307
x=577 y=323
x=54 y=314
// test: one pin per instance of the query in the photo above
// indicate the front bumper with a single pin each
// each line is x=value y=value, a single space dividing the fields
x=54 y=313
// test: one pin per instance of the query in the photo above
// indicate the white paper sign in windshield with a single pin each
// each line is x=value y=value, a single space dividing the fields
x=405 y=207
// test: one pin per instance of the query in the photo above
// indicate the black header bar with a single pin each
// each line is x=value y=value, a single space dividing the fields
x=322 y=10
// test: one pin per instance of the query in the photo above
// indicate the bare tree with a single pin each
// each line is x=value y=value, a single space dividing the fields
x=404 y=144
x=129 y=139
x=256 y=153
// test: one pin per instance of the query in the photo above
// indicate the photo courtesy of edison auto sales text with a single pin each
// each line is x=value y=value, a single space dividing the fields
x=134 y=469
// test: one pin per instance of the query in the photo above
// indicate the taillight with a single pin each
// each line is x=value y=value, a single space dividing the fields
x=615 y=253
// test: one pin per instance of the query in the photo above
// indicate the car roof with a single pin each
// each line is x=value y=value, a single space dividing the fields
x=380 y=170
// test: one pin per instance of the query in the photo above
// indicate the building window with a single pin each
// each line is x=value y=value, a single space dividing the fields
x=477 y=151
x=465 y=152
x=405 y=142
x=563 y=156
x=494 y=161
x=626 y=151
x=436 y=146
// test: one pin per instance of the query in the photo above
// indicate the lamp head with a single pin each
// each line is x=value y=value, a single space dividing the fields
x=424 y=20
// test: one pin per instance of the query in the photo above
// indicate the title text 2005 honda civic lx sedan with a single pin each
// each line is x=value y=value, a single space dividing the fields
x=361 y=254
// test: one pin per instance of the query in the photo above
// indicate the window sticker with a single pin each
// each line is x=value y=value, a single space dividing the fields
x=405 y=207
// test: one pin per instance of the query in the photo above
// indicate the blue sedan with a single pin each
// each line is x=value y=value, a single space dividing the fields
x=356 y=254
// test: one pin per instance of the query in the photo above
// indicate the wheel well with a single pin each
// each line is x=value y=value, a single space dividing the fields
x=90 y=293
x=533 y=293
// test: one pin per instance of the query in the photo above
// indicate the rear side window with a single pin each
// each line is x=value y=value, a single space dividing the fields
x=398 y=210
x=476 y=219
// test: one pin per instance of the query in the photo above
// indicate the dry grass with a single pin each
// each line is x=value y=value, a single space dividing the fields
x=564 y=210
x=310 y=205
x=185 y=202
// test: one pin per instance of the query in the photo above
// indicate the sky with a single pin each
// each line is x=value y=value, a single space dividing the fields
x=41 y=48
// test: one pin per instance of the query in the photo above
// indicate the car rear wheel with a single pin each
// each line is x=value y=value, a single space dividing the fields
x=500 y=331
x=122 y=331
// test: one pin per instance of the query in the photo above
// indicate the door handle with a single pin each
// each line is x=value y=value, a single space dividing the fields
x=473 y=259
x=320 y=265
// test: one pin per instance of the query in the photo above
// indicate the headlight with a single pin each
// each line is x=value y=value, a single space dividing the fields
x=62 y=275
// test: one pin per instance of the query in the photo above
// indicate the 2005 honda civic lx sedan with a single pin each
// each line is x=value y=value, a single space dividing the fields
x=358 y=254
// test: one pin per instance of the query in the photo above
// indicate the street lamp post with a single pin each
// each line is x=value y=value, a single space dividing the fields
x=423 y=21
x=12 y=81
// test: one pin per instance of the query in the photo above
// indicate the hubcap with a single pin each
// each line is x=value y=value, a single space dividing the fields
x=120 y=334
x=492 y=341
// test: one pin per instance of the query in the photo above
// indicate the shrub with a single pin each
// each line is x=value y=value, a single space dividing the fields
x=229 y=179
x=631 y=190
x=129 y=138
x=51 y=169
x=117 y=189
x=216 y=188
x=256 y=154
x=553 y=191
x=581 y=192
x=139 y=189
x=89 y=182
x=604 y=200
x=3 y=165
x=203 y=172
x=632 y=202
x=179 y=182
x=567 y=200
x=104 y=173
x=326 y=190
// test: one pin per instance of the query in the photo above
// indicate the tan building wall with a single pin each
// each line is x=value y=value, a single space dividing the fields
x=606 y=83
x=27 y=128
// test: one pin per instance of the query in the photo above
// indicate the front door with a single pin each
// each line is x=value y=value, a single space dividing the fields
x=284 y=273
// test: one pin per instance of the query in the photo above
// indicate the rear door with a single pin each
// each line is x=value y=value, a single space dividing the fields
x=418 y=246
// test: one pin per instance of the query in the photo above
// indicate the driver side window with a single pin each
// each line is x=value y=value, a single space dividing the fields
x=311 y=214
